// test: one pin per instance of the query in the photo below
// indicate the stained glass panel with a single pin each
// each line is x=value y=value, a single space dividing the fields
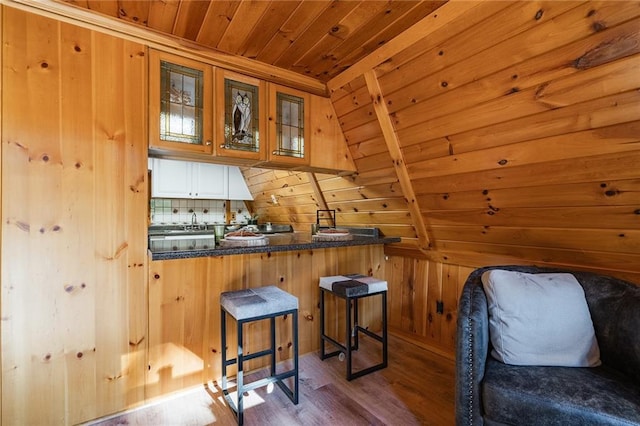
x=241 y=121
x=180 y=103
x=290 y=125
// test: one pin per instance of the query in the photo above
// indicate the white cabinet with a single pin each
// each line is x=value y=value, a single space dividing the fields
x=238 y=189
x=186 y=179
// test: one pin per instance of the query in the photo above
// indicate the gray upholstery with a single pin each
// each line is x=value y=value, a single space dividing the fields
x=256 y=302
x=488 y=391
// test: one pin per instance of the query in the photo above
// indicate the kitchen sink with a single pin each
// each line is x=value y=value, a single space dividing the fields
x=183 y=236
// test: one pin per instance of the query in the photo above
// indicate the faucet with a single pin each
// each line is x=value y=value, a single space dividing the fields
x=194 y=218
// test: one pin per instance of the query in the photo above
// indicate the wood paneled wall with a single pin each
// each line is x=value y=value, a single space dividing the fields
x=74 y=196
x=509 y=135
x=184 y=308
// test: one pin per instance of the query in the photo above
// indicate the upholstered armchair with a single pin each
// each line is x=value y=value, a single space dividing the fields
x=492 y=392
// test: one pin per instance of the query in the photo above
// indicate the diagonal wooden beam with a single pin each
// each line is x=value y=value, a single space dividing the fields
x=317 y=192
x=421 y=29
x=391 y=139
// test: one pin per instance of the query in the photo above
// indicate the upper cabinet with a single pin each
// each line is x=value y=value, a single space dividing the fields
x=240 y=116
x=328 y=148
x=186 y=179
x=204 y=113
x=180 y=104
x=288 y=126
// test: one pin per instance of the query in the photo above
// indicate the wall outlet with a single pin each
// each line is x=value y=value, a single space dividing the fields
x=233 y=215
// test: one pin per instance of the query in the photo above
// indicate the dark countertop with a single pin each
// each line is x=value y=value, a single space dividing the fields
x=204 y=247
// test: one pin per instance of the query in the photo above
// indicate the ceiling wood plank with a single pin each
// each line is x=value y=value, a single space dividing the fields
x=324 y=55
x=189 y=20
x=65 y=12
x=610 y=110
x=394 y=22
x=434 y=21
x=162 y=15
x=607 y=240
x=604 y=140
x=323 y=24
x=300 y=19
x=272 y=20
x=610 y=193
x=398 y=160
x=216 y=21
x=237 y=33
x=134 y=11
x=617 y=166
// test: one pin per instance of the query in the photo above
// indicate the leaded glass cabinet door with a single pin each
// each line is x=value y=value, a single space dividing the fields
x=180 y=104
x=288 y=126
x=240 y=109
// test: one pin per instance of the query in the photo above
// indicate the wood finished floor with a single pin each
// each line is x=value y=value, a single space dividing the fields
x=417 y=388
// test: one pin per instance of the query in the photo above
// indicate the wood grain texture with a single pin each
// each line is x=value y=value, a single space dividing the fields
x=184 y=309
x=325 y=395
x=75 y=222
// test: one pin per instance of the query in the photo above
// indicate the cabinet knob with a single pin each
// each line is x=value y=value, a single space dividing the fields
x=274 y=153
x=208 y=143
x=222 y=146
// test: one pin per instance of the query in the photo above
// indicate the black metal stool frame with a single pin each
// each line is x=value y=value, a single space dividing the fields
x=351 y=336
x=241 y=387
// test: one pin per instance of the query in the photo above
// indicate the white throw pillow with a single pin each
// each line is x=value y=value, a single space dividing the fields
x=539 y=319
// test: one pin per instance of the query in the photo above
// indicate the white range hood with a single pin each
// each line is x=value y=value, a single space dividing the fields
x=189 y=179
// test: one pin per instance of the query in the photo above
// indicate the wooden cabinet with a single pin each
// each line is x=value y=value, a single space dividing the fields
x=197 y=111
x=288 y=126
x=187 y=179
x=180 y=104
x=328 y=148
x=240 y=116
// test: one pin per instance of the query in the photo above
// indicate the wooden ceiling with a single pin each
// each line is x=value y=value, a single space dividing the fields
x=316 y=38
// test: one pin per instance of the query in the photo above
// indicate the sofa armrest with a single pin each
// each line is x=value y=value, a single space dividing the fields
x=472 y=347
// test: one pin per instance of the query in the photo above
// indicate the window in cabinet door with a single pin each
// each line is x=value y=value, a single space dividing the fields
x=241 y=123
x=290 y=125
x=181 y=108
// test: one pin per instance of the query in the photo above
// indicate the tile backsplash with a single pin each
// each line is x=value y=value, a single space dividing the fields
x=178 y=211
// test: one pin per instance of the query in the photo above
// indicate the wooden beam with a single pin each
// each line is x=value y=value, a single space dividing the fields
x=317 y=192
x=393 y=145
x=66 y=12
x=428 y=25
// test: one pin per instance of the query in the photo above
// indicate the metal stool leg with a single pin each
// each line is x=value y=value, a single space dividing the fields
x=223 y=326
x=384 y=330
x=240 y=386
x=347 y=336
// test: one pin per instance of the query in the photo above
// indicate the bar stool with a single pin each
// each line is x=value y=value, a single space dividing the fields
x=254 y=305
x=352 y=288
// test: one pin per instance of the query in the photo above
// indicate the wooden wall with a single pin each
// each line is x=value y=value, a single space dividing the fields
x=509 y=135
x=184 y=309
x=74 y=195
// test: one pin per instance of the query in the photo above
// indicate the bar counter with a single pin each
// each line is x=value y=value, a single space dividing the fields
x=205 y=247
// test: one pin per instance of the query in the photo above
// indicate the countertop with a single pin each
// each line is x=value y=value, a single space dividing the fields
x=204 y=247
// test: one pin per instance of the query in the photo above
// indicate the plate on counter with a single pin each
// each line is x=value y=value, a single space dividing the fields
x=333 y=232
x=244 y=238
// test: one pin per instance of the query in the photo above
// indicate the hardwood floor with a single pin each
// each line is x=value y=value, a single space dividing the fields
x=417 y=388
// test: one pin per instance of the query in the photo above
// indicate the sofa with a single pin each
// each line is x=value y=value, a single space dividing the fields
x=492 y=392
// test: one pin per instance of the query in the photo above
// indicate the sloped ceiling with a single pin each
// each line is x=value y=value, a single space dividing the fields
x=317 y=38
x=483 y=132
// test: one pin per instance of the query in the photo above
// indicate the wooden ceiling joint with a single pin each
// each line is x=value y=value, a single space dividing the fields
x=428 y=25
x=393 y=145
